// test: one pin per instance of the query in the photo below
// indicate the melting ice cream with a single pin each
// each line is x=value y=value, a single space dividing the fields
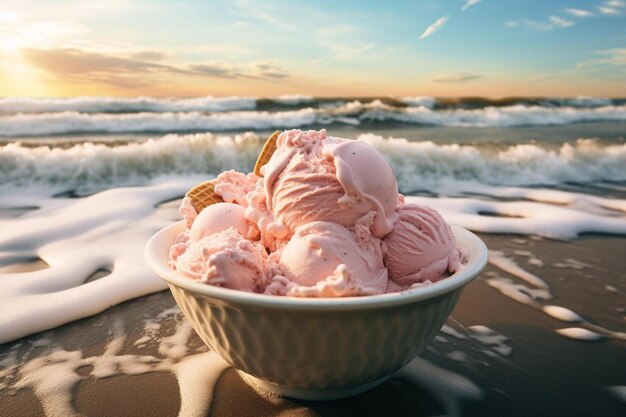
x=325 y=219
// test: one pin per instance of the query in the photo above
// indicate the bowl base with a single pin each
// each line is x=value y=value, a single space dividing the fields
x=265 y=387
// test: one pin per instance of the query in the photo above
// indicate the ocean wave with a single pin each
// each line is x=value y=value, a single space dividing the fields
x=14 y=105
x=354 y=112
x=125 y=105
x=427 y=165
x=418 y=165
x=292 y=99
x=511 y=116
x=580 y=101
x=73 y=122
x=87 y=164
x=419 y=101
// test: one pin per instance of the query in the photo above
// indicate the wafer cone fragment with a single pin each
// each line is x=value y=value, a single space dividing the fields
x=203 y=195
x=266 y=152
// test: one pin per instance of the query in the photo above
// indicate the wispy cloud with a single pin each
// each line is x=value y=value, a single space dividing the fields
x=470 y=3
x=264 y=12
x=434 y=27
x=608 y=10
x=615 y=57
x=258 y=70
x=342 y=41
x=579 y=12
x=553 y=22
x=137 y=69
x=456 y=78
x=612 y=7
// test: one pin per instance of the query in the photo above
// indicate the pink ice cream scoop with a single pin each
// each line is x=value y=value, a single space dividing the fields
x=420 y=247
x=314 y=177
x=216 y=218
x=224 y=259
x=219 y=217
x=325 y=259
x=233 y=186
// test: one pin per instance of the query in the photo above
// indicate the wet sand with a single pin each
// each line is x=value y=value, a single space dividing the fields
x=510 y=351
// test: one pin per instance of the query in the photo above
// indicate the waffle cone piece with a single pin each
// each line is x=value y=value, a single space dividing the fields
x=203 y=195
x=266 y=153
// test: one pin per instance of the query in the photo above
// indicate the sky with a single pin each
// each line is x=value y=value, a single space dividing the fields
x=324 y=48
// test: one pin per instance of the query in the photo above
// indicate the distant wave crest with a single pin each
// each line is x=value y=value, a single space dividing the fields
x=354 y=112
x=15 y=105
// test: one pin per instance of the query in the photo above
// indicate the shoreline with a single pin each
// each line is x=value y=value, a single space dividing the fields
x=552 y=374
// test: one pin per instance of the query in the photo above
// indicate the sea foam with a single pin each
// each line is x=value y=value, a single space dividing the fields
x=419 y=166
x=66 y=119
x=124 y=105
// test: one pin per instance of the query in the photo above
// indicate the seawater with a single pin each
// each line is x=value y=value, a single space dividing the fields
x=85 y=181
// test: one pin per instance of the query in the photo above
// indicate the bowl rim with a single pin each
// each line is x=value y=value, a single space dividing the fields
x=156 y=256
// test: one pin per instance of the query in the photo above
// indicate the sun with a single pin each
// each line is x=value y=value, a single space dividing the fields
x=10 y=46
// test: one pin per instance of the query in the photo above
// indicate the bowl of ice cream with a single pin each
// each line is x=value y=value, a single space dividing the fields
x=311 y=276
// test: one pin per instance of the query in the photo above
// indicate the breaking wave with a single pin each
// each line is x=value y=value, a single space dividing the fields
x=418 y=165
x=354 y=113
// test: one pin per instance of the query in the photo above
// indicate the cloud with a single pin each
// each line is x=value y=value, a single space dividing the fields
x=608 y=10
x=559 y=22
x=18 y=31
x=553 y=22
x=265 y=13
x=434 y=27
x=137 y=69
x=77 y=61
x=258 y=70
x=616 y=3
x=148 y=55
x=469 y=4
x=342 y=41
x=268 y=71
x=579 y=12
x=615 y=57
x=456 y=78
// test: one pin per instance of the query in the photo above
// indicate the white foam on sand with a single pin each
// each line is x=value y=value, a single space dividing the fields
x=523 y=217
x=77 y=237
x=578 y=333
x=538 y=292
x=619 y=392
x=53 y=375
x=450 y=389
x=498 y=259
x=491 y=338
x=562 y=313
x=108 y=230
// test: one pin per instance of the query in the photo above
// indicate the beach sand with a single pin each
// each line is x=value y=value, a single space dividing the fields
x=495 y=356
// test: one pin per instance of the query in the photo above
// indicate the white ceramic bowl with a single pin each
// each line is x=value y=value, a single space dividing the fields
x=316 y=349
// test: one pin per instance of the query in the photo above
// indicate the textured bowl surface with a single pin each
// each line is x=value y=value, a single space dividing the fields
x=316 y=348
